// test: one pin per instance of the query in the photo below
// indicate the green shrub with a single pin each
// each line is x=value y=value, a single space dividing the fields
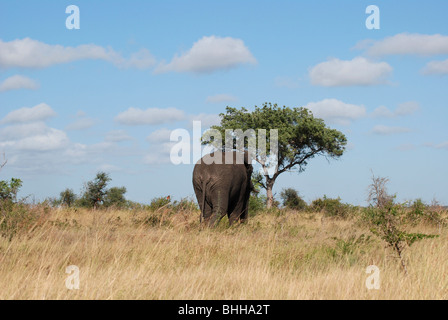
x=331 y=207
x=18 y=217
x=185 y=204
x=115 y=198
x=96 y=194
x=95 y=191
x=418 y=211
x=257 y=203
x=292 y=200
x=388 y=222
x=67 y=197
x=160 y=202
x=9 y=190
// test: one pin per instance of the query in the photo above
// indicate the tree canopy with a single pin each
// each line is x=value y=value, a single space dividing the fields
x=96 y=190
x=300 y=137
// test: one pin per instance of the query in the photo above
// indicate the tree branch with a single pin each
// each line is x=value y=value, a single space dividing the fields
x=4 y=161
x=300 y=161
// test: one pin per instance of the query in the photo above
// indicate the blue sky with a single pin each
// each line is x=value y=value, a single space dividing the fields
x=106 y=96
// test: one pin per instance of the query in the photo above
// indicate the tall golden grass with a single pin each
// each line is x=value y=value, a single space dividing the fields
x=124 y=254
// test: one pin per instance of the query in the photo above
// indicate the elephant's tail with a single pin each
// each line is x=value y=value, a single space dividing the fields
x=203 y=201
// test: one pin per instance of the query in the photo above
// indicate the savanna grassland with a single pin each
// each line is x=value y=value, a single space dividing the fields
x=166 y=254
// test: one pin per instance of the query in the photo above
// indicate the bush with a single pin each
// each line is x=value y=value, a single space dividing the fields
x=185 y=205
x=159 y=202
x=115 y=197
x=378 y=195
x=18 y=217
x=331 y=207
x=97 y=195
x=388 y=222
x=292 y=200
x=256 y=204
x=418 y=211
x=95 y=191
x=67 y=197
x=9 y=190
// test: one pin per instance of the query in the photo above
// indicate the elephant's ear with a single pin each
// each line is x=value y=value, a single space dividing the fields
x=246 y=158
x=247 y=163
x=249 y=168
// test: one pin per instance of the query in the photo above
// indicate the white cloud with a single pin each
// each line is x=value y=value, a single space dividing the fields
x=142 y=59
x=443 y=145
x=407 y=44
x=387 y=130
x=436 y=67
x=29 y=53
x=77 y=153
x=356 y=72
x=207 y=120
x=151 y=116
x=81 y=124
x=336 y=111
x=210 y=54
x=161 y=146
x=407 y=108
x=22 y=130
x=18 y=82
x=159 y=136
x=32 y=147
x=382 y=112
x=161 y=151
x=32 y=137
x=153 y=158
x=40 y=112
x=219 y=98
x=403 y=109
x=117 y=136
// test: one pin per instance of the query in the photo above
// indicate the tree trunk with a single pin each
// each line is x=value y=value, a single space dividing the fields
x=269 y=194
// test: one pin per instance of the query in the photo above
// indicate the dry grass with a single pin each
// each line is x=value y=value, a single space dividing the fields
x=166 y=255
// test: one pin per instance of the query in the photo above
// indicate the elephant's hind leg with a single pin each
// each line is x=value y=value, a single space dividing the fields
x=238 y=214
x=241 y=211
x=207 y=212
x=219 y=209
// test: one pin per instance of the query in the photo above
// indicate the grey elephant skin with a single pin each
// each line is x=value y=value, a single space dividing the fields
x=223 y=188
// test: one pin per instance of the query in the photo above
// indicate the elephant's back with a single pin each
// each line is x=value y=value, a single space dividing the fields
x=215 y=167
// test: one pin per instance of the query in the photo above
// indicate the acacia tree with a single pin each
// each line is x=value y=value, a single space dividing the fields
x=115 y=197
x=67 y=197
x=300 y=137
x=96 y=189
x=9 y=190
x=292 y=200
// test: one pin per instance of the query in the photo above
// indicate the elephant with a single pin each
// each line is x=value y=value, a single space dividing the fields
x=223 y=188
